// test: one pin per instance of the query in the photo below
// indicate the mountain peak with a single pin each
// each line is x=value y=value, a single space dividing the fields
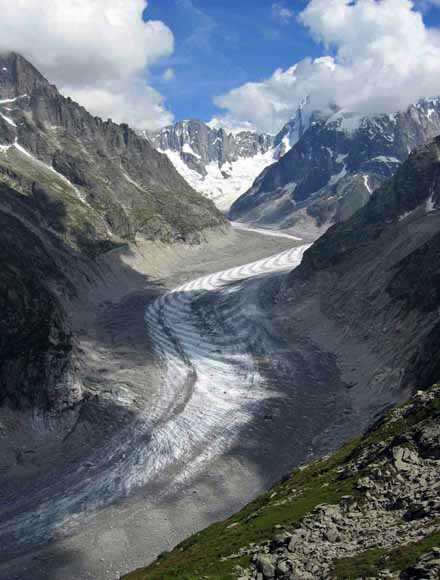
x=19 y=77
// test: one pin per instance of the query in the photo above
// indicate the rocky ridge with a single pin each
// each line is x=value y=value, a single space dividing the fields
x=335 y=166
x=101 y=180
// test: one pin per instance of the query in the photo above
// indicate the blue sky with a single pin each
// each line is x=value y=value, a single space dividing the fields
x=220 y=45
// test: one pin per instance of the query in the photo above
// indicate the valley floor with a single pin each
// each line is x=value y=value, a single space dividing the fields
x=184 y=424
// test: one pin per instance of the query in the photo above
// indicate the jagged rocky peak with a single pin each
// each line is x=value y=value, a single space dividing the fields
x=294 y=129
x=220 y=164
x=19 y=77
x=334 y=167
x=196 y=139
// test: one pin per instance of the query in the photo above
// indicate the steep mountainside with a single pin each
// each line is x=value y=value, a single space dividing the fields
x=72 y=187
x=366 y=298
x=332 y=170
x=223 y=165
x=372 y=286
x=109 y=182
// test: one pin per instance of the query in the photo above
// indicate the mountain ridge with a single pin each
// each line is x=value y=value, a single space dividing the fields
x=333 y=169
x=116 y=176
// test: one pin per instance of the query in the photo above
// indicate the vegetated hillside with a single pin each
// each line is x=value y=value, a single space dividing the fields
x=367 y=295
x=334 y=167
x=72 y=187
x=369 y=511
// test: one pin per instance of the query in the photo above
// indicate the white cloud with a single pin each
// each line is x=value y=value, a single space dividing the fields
x=168 y=74
x=383 y=57
x=281 y=13
x=97 y=51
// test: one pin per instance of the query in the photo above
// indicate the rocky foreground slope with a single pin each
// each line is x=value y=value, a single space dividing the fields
x=334 y=167
x=372 y=510
x=366 y=299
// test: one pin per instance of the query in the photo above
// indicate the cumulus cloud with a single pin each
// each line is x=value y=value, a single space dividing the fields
x=97 y=51
x=379 y=57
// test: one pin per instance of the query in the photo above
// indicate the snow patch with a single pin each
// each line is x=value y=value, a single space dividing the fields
x=12 y=100
x=384 y=159
x=8 y=120
x=367 y=185
x=347 y=122
x=188 y=149
x=264 y=231
x=341 y=157
x=403 y=216
x=430 y=205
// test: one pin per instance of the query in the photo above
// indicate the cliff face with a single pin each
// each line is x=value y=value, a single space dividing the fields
x=36 y=345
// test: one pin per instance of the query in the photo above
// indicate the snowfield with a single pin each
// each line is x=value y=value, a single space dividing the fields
x=222 y=184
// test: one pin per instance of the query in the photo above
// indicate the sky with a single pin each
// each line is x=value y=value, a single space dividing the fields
x=236 y=63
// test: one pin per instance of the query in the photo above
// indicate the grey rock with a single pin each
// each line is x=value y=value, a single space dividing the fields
x=264 y=565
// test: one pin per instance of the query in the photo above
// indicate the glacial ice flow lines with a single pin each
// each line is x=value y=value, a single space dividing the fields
x=210 y=379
